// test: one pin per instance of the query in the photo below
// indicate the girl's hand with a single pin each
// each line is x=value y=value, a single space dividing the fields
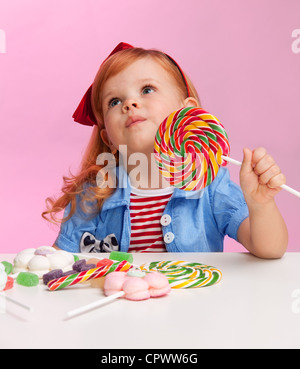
x=260 y=176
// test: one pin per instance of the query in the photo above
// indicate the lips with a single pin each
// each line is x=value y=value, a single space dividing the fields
x=134 y=120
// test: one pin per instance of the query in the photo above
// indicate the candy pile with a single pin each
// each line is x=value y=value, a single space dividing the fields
x=45 y=262
x=117 y=275
x=182 y=274
x=188 y=147
x=136 y=284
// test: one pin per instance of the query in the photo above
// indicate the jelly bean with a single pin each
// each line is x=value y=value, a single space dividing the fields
x=27 y=279
x=53 y=274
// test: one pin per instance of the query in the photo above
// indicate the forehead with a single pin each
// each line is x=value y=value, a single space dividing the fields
x=141 y=70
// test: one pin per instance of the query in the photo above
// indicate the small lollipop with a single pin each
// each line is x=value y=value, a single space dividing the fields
x=190 y=145
x=134 y=285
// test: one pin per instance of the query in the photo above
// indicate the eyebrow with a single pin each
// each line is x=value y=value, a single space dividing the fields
x=143 y=80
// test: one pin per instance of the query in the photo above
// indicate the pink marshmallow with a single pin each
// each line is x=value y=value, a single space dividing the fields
x=156 y=280
x=153 y=284
x=114 y=282
x=158 y=284
x=136 y=289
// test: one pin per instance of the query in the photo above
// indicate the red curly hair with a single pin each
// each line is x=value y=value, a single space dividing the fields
x=75 y=186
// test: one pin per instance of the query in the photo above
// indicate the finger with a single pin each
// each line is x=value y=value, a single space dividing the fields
x=258 y=154
x=273 y=171
x=247 y=161
x=277 y=181
x=264 y=164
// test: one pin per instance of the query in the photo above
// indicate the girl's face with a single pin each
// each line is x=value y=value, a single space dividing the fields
x=136 y=101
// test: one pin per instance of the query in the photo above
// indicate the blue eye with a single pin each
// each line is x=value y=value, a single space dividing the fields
x=148 y=89
x=113 y=102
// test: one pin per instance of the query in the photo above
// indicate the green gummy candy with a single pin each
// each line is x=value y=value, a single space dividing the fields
x=119 y=256
x=8 y=267
x=27 y=279
x=76 y=258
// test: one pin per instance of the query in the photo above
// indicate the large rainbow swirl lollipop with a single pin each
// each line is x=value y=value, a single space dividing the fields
x=190 y=145
x=188 y=148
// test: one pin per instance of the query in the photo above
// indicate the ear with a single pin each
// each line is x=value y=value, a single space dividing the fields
x=106 y=140
x=104 y=137
x=190 y=102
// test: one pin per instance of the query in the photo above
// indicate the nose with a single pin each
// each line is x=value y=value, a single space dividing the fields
x=129 y=104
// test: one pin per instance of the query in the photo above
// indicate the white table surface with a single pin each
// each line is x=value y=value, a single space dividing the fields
x=256 y=305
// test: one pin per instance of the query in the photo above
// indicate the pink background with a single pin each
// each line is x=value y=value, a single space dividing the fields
x=238 y=54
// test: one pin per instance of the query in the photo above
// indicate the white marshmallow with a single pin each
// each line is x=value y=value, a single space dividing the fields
x=22 y=259
x=58 y=261
x=38 y=262
x=68 y=255
x=41 y=260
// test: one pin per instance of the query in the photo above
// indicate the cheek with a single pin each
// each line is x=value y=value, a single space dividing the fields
x=168 y=108
x=109 y=123
x=176 y=104
x=116 y=135
x=113 y=136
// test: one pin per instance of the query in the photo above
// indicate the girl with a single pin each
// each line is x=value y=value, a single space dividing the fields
x=133 y=92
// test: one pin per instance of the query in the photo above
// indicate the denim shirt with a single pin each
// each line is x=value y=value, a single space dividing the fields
x=195 y=221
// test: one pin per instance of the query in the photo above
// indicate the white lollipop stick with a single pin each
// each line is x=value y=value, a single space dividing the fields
x=284 y=187
x=93 y=305
x=16 y=302
x=232 y=161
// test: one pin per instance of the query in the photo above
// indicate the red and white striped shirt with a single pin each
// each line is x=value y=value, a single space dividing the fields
x=146 y=209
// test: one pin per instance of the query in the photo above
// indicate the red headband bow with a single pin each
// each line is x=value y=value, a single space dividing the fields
x=84 y=112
